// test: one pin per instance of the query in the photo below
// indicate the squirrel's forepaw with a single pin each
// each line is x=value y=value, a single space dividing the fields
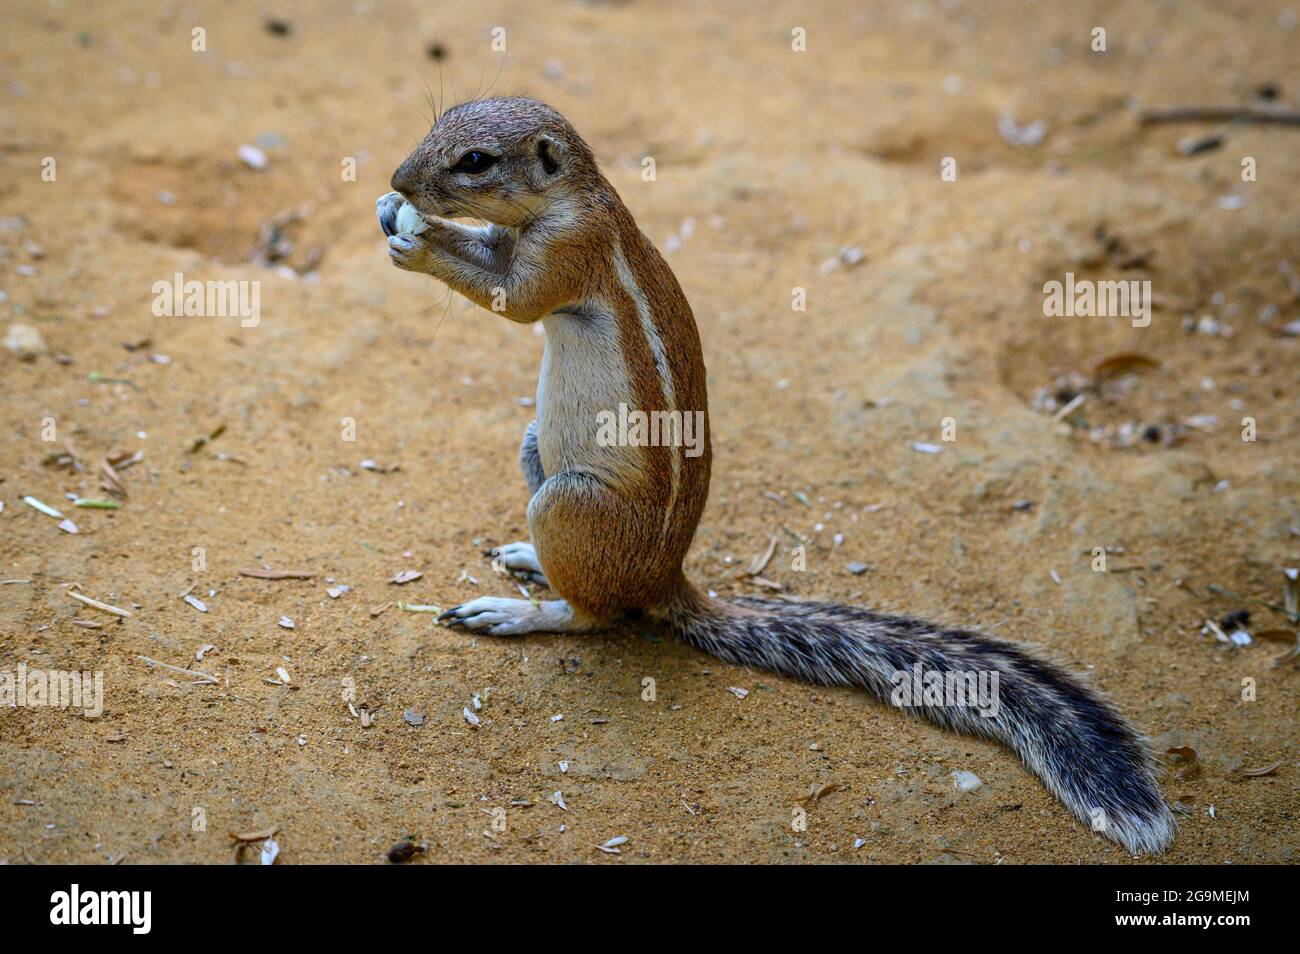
x=409 y=252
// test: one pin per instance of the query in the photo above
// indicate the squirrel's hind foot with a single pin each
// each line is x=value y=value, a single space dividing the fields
x=501 y=617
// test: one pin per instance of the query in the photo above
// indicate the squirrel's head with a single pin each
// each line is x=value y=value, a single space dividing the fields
x=508 y=161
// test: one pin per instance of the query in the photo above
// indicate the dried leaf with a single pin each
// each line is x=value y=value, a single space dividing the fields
x=99 y=606
x=270 y=851
x=198 y=444
x=418 y=607
x=111 y=482
x=42 y=507
x=278 y=574
x=760 y=562
x=1286 y=657
x=817 y=792
x=1065 y=410
x=1185 y=756
x=124 y=459
x=1284 y=636
x=203 y=678
x=1268 y=769
x=1291 y=590
x=611 y=847
x=1123 y=363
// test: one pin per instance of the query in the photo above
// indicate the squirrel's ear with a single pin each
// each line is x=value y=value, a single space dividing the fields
x=549 y=154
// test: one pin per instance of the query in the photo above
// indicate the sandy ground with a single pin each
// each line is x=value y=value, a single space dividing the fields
x=769 y=163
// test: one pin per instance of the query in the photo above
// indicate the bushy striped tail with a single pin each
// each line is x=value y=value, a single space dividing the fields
x=1081 y=748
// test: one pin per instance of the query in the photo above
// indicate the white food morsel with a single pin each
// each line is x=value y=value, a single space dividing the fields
x=409 y=221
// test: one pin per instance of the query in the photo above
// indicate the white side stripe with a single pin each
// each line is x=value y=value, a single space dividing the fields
x=656 y=343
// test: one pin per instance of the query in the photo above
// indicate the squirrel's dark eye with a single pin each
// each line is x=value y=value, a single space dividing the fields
x=474 y=161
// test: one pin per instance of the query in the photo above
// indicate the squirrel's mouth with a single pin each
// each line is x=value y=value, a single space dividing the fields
x=427 y=210
x=418 y=202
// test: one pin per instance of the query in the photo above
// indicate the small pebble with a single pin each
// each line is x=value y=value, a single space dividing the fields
x=252 y=157
x=25 y=341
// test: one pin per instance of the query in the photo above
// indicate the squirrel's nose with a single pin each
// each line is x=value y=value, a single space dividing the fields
x=404 y=180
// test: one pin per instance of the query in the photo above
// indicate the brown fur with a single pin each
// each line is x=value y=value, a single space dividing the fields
x=600 y=540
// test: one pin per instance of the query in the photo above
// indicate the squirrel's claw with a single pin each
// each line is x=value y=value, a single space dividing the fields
x=449 y=616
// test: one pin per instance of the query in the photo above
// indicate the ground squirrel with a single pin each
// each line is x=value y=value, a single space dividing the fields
x=612 y=520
